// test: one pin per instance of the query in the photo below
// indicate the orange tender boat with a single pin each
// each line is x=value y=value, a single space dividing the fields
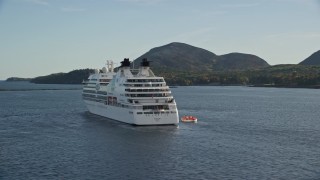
x=189 y=119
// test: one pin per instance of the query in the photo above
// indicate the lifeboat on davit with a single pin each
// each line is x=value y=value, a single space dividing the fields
x=189 y=119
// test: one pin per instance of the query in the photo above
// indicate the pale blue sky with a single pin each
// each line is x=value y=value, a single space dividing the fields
x=40 y=37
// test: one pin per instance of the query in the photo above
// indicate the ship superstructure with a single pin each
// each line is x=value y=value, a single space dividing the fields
x=134 y=96
x=94 y=88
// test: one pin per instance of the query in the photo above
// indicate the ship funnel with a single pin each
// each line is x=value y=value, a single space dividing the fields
x=144 y=69
x=145 y=62
x=125 y=63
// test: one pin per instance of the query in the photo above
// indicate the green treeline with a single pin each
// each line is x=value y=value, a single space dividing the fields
x=275 y=76
x=72 y=77
x=18 y=79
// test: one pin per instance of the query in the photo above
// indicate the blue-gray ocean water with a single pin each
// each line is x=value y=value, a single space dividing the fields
x=242 y=133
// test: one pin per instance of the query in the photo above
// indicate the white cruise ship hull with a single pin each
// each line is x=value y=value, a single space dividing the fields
x=131 y=116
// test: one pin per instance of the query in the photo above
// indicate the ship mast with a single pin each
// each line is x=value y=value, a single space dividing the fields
x=109 y=65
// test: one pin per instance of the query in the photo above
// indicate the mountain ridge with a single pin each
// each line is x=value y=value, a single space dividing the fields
x=183 y=64
x=241 y=61
x=181 y=56
x=313 y=59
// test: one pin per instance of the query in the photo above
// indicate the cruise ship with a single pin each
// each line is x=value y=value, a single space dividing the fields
x=133 y=96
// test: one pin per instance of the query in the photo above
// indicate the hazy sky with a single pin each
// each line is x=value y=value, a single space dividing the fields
x=40 y=37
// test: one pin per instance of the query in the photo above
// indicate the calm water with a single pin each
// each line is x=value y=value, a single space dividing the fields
x=242 y=133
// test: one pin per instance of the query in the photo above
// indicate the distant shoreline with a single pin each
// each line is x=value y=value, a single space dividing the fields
x=15 y=79
x=171 y=86
x=6 y=86
x=45 y=89
x=287 y=86
x=9 y=80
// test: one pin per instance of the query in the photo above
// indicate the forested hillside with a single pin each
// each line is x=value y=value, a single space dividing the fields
x=183 y=64
x=72 y=77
